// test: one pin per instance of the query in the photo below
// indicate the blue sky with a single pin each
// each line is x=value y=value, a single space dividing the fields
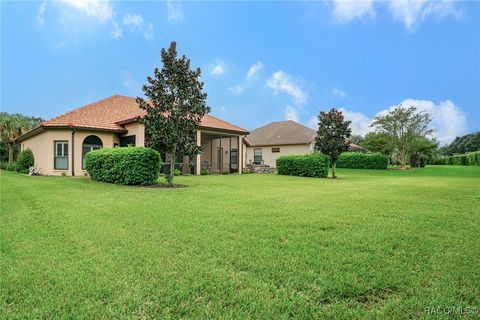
x=261 y=61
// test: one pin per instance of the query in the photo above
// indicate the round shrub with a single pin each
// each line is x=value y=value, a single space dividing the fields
x=25 y=160
x=11 y=166
x=356 y=160
x=128 y=165
x=310 y=165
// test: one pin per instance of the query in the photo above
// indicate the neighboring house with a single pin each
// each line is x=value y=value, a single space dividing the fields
x=265 y=144
x=60 y=144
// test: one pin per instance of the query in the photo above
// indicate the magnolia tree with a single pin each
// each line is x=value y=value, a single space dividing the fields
x=175 y=106
x=404 y=126
x=332 y=136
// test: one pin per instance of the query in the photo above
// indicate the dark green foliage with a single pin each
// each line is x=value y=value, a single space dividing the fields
x=3 y=165
x=310 y=165
x=25 y=160
x=129 y=165
x=12 y=166
x=464 y=144
x=332 y=135
x=468 y=159
x=175 y=106
x=204 y=171
x=355 y=160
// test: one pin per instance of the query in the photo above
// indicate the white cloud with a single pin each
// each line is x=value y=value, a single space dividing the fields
x=175 y=12
x=312 y=123
x=41 y=14
x=347 y=10
x=413 y=12
x=254 y=70
x=338 y=93
x=136 y=21
x=409 y=12
x=282 y=82
x=218 y=68
x=100 y=10
x=447 y=119
x=251 y=75
x=116 y=32
x=291 y=114
x=360 y=122
x=238 y=89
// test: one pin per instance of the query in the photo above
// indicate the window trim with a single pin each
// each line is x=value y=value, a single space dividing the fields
x=234 y=150
x=275 y=149
x=63 y=142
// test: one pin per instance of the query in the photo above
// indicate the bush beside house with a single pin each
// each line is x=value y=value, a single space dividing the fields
x=355 y=160
x=25 y=160
x=310 y=165
x=128 y=166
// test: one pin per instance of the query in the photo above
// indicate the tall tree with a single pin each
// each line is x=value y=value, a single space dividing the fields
x=175 y=106
x=12 y=126
x=332 y=135
x=404 y=125
x=378 y=142
x=423 y=150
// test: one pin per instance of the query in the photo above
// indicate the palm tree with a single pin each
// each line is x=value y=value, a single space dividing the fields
x=11 y=127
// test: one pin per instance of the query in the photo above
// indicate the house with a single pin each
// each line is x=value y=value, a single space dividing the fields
x=59 y=145
x=265 y=144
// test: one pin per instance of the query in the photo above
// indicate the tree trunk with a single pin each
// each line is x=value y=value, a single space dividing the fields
x=334 y=168
x=10 y=152
x=402 y=159
x=172 y=167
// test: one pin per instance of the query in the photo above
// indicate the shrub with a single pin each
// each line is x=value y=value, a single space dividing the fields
x=3 y=165
x=12 y=166
x=459 y=160
x=128 y=165
x=356 y=160
x=177 y=172
x=25 y=160
x=310 y=165
x=473 y=158
x=204 y=171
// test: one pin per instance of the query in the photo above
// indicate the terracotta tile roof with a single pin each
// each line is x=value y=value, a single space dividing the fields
x=109 y=113
x=281 y=133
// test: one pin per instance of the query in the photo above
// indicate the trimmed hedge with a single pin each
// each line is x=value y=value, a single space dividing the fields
x=128 y=165
x=356 y=160
x=309 y=165
x=25 y=160
x=467 y=159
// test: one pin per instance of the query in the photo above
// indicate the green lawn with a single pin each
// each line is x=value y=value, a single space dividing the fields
x=370 y=244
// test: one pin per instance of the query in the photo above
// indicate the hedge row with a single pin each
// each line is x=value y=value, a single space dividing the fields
x=129 y=165
x=467 y=159
x=310 y=165
x=356 y=160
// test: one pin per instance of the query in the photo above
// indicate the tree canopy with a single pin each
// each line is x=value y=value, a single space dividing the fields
x=467 y=143
x=175 y=106
x=332 y=135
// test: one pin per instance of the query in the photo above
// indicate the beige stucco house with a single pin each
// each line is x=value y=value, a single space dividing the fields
x=60 y=144
x=265 y=144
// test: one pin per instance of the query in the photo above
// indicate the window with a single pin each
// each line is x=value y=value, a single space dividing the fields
x=275 y=150
x=127 y=141
x=60 y=161
x=234 y=156
x=90 y=143
x=257 y=155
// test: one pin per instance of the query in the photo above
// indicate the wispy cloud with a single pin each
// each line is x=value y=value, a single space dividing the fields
x=41 y=14
x=409 y=12
x=339 y=93
x=282 y=82
x=175 y=12
x=136 y=21
x=100 y=10
x=251 y=75
x=129 y=82
x=218 y=68
x=291 y=113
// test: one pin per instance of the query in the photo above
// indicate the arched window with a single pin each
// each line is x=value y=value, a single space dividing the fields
x=90 y=143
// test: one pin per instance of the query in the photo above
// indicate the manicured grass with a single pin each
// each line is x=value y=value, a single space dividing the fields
x=371 y=244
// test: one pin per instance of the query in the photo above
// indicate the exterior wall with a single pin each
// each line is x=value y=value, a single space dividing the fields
x=42 y=146
x=137 y=129
x=270 y=158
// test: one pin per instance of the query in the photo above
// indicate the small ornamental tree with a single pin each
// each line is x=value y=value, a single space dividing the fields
x=175 y=106
x=404 y=126
x=332 y=136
